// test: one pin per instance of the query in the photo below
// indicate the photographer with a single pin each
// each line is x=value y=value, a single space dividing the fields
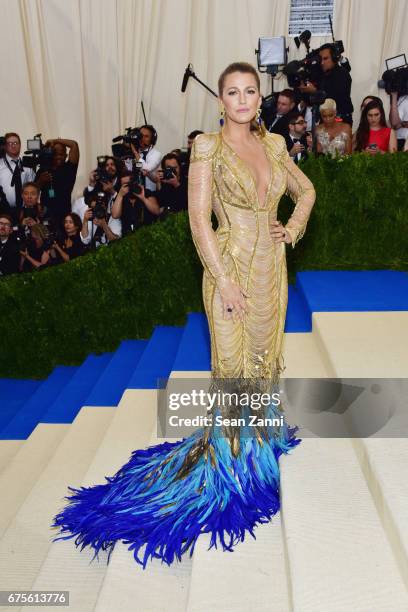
x=171 y=191
x=57 y=184
x=70 y=244
x=335 y=81
x=98 y=226
x=399 y=117
x=148 y=155
x=13 y=175
x=133 y=206
x=106 y=176
x=9 y=249
x=36 y=253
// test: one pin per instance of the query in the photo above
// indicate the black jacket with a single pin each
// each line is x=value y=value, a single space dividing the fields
x=281 y=127
x=337 y=85
x=303 y=141
x=9 y=256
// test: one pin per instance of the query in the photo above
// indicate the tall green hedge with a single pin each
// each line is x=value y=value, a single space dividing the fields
x=60 y=315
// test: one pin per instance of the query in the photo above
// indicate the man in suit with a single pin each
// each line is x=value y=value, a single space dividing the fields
x=297 y=143
x=9 y=249
x=284 y=105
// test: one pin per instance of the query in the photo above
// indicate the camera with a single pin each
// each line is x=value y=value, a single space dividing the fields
x=395 y=79
x=307 y=69
x=30 y=213
x=49 y=240
x=22 y=238
x=132 y=136
x=38 y=154
x=168 y=173
x=99 y=211
x=137 y=179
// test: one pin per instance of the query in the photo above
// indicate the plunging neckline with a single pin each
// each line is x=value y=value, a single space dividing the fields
x=245 y=164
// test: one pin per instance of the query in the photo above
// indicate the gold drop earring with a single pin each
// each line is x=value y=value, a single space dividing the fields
x=258 y=117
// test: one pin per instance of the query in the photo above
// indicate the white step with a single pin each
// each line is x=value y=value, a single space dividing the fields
x=371 y=344
x=127 y=586
x=65 y=565
x=8 y=448
x=252 y=577
x=26 y=541
x=339 y=555
x=376 y=345
x=258 y=564
x=21 y=473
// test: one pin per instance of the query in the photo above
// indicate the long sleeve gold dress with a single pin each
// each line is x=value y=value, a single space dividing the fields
x=224 y=478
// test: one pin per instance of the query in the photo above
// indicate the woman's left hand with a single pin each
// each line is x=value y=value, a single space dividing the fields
x=279 y=233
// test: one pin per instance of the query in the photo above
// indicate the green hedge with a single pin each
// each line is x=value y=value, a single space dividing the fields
x=62 y=314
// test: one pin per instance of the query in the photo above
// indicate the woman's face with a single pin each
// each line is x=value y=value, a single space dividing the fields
x=69 y=225
x=328 y=117
x=240 y=97
x=374 y=117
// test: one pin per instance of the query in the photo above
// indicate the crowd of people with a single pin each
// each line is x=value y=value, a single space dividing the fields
x=41 y=226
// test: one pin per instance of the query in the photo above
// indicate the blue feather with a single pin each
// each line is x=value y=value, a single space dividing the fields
x=159 y=516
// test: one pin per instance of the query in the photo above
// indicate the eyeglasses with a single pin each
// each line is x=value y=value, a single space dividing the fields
x=13 y=143
x=300 y=122
x=5 y=224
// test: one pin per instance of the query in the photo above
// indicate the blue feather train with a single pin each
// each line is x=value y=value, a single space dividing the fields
x=160 y=515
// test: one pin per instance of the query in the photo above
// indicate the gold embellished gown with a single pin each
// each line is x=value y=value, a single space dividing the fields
x=222 y=480
x=242 y=249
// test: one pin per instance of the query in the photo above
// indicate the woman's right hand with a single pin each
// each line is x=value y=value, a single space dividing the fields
x=124 y=190
x=232 y=296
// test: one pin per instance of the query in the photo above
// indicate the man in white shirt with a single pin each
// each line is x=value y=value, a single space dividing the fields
x=13 y=175
x=399 y=117
x=148 y=155
x=110 y=228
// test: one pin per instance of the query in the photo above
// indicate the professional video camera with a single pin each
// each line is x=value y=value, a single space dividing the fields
x=395 y=79
x=131 y=136
x=38 y=154
x=307 y=69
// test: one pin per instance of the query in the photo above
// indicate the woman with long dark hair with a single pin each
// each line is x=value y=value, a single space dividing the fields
x=223 y=479
x=69 y=245
x=373 y=135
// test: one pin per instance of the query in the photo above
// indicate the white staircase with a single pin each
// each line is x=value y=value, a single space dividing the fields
x=339 y=544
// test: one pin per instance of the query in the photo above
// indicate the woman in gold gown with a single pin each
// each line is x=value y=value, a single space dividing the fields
x=224 y=479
